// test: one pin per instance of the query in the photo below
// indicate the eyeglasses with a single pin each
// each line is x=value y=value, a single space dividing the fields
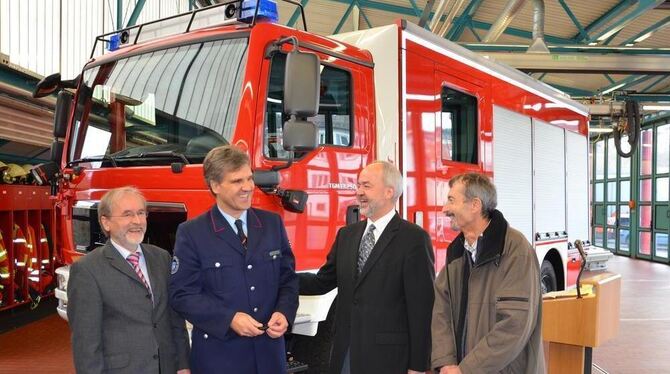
x=141 y=214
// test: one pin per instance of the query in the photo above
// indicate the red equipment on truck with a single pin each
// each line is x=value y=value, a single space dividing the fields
x=147 y=112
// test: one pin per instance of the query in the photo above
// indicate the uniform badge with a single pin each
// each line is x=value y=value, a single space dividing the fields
x=175 y=264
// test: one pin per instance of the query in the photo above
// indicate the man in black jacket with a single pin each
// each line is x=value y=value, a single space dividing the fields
x=383 y=269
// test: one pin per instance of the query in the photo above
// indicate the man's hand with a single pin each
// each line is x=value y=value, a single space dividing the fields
x=244 y=325
x=452 y=369
x=277 y=325
x=184 y=371
x=410 y=371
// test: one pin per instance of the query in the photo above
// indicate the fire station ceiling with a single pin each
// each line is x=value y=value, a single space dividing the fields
x=604 y=47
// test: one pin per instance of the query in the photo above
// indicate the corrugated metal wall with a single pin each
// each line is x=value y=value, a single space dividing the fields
x=48 y=36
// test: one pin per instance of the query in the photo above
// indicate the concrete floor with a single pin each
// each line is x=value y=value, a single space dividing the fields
x=644 y=330
x=644 y=334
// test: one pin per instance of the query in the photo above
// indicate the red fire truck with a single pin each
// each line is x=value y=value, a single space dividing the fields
x=146 y=111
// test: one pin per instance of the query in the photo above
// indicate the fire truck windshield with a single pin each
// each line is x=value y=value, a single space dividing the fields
x=159 y=107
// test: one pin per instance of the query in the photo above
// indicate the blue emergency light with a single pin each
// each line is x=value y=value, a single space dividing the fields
x=267 y=10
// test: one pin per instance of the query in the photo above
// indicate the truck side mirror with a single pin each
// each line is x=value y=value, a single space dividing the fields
x=299 y=136
x=63 y=107
x=302 y=80
x=47 y=85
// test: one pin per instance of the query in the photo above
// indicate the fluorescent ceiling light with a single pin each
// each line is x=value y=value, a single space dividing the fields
x=613 y=88
x=643 y=37
x=656 y=107
x=600 y=130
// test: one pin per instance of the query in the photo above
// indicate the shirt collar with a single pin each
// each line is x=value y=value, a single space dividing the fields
x=231 y=220
x=381 y=223
x=124 y=252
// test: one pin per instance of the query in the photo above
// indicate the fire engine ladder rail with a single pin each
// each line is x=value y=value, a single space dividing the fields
x=104 y=38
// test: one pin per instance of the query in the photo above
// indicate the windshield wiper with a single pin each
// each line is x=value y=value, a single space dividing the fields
x=171 y=154
x=94 y=159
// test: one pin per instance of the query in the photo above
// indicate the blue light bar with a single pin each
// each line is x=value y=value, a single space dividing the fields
x=267 y=10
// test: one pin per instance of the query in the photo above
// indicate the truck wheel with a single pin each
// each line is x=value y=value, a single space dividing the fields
x=315 y=350
x=548 y=277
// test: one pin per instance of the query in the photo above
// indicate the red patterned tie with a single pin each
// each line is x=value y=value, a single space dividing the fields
x=134 y=259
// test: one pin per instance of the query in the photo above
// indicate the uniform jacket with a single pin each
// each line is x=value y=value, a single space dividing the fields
x=214 y=277
x=383 y=314
x=115 y=326
x=493 y=316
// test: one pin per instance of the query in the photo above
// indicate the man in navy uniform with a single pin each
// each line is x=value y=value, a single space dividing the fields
x=233 y=275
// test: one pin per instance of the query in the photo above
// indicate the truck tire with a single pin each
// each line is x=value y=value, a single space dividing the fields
x=547 y=277
x=315 y=350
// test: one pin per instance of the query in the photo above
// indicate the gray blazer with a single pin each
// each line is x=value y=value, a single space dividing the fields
x=115 y=326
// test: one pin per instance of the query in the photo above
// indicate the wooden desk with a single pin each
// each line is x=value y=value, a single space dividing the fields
x=572 y=327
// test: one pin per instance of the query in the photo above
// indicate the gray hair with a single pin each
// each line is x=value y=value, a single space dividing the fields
x=391 y=177
x=110 y=198
x=478 y=186
x=222 y=160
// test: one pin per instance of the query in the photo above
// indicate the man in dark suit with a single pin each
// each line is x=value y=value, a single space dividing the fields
x=233 y=275
x=117 y=298
x=383 y=270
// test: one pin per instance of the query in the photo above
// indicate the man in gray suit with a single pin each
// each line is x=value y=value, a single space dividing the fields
x=117 y=298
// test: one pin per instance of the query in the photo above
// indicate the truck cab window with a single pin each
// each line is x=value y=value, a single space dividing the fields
x=333 y=119
x=459 y=126
x=159 y=107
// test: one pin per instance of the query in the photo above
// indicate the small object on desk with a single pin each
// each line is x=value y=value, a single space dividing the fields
x=586 y=289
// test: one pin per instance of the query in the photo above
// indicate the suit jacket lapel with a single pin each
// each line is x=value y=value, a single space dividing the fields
x=222 y=229
x=156 y=277
x=254 y=233
x=356 y=237
x=119 y=263
x=377 y=251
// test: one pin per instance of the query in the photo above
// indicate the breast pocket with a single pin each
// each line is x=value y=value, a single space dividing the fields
x=219 y=275
x=273 y=259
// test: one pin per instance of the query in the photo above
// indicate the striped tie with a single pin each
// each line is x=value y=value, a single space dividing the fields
x=134 y=259
x=240 y=232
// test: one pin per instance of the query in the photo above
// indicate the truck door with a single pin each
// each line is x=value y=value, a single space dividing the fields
x=463 y=142
x=329 y=173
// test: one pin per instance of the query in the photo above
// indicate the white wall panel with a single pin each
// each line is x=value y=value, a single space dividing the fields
x=48 y=36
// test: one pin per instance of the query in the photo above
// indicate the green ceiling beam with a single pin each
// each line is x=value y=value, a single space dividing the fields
x=417 y=12
x=643 y=6
x=522 y=33
x=665 y=22
x=582 y=33
x=656 y=82
x=611 y=14
x=119 y=14
x=461 y=22
x=626 y=82
x=136 y=13
x=296 y=14
x=572 y=49
x=572 y=91
x=344 y=17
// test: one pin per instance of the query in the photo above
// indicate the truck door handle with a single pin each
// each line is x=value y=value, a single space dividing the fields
x=353 y=214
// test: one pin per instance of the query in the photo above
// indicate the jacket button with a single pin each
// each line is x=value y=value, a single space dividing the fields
x=148 y=296
x=252 y=288
x=250 y=266
x=355 y=302
x=205 y=336
x=218 y=264
x=255 y=309
x=155 y=357
x=155 y=325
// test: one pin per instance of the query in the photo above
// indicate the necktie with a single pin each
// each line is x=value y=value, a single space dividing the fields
x=367 y=243
x=134 y=259
x=240 y=232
